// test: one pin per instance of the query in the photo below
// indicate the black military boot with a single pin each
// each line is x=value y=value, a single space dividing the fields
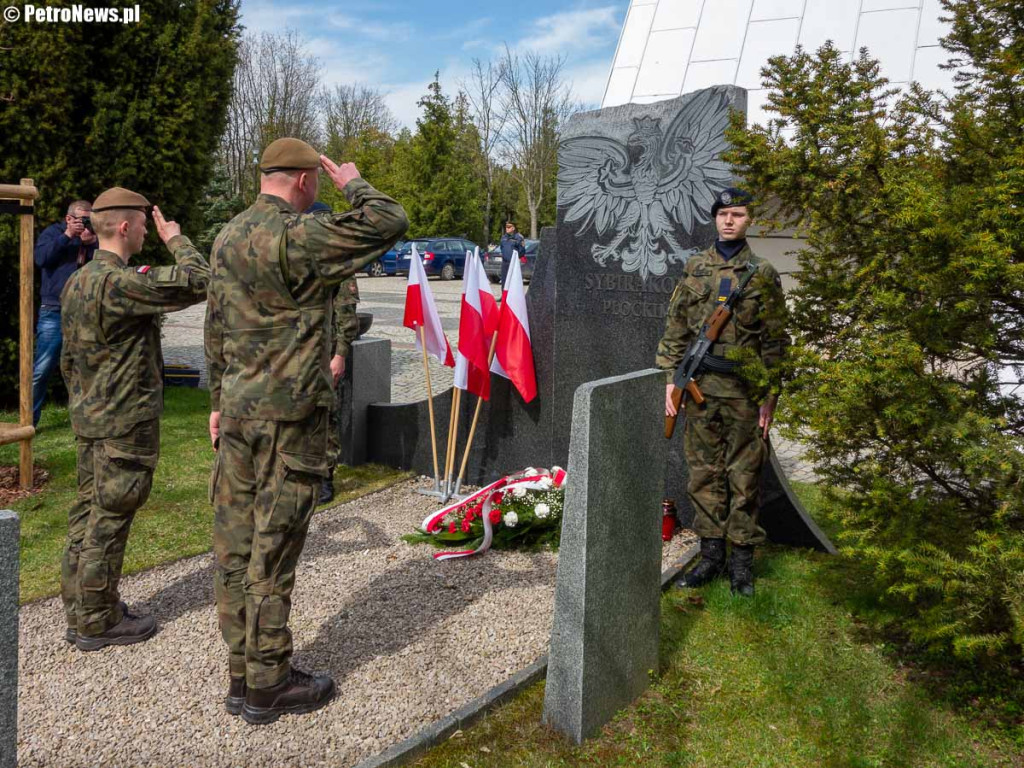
x=327 y=489
x=71 y=635
x=131 y=630
x=235 y=699
x=741 y=571
x=710 y=567
x=299 y=693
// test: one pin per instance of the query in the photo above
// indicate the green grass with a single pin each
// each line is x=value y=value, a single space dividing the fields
x=176 y=521
x=790 y=678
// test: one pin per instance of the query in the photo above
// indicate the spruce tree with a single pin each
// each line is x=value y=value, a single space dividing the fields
x=84 y=107
x=909 y=309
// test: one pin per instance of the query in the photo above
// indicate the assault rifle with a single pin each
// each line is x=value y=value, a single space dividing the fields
x=697 y=354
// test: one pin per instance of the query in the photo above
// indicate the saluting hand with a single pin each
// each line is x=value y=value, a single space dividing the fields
x=340 y=174
x=166 y=229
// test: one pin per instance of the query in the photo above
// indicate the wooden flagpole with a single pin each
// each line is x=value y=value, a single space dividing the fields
x=430 y=407
x=476 y=415
x=452 y=440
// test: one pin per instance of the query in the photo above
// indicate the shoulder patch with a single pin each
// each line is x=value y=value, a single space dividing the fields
x=143 y=269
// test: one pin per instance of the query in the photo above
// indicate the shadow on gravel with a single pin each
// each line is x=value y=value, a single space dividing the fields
x=399 y=606
x=195 y=590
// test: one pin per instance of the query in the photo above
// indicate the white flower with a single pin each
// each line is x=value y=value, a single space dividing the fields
x=510 y=519
x=542 y=510
x=518 y=491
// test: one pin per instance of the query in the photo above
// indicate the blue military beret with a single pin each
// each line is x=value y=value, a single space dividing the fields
x=731 y=197
x=318 y=206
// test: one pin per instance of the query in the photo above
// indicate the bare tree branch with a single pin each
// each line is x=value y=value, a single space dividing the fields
x=536 y=101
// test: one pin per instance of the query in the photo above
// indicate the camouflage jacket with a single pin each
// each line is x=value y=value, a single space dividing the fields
x=111 y=357
x=346 y=324
x=758 y=320
x=268 y=317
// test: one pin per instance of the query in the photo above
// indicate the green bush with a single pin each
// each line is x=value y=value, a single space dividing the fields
x=911 y=302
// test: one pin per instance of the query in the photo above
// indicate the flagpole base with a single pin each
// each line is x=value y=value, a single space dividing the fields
x=435 y=493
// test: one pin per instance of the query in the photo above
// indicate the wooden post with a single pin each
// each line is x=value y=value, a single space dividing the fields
x=26 y=342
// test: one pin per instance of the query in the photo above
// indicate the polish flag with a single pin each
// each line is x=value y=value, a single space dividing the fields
x=487 y=300
x=421 y=311
x=513 y=356
x=474 y=345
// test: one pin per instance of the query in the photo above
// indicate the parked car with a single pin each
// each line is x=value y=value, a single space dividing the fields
x=527 y=261
x=442 y=256
x=386 y=264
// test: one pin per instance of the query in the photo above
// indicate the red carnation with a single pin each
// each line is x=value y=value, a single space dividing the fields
x=465 y=525
x=496 y=497
x=451 y=527
x=495 y=516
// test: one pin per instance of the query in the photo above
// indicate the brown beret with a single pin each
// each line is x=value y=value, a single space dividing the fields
x=289 y=155
x=119 y=197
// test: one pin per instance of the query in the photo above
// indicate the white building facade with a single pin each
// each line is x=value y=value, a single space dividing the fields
x=671 y=47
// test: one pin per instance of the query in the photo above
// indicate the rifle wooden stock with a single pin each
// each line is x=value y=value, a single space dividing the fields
x=677 y=399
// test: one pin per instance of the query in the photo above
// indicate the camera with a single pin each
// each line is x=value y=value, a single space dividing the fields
x=87 y=223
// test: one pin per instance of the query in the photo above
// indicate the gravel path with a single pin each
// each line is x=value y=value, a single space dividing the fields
x=408 y=641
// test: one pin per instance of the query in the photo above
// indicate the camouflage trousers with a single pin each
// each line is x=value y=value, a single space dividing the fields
x=115 y=476
x=264 y=487
x=725 y=454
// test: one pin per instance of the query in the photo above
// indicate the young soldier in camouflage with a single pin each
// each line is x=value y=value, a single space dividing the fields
x=346 y=328
x=112 y=364
x=725 y=440
x=267 y=328
x=343 y=333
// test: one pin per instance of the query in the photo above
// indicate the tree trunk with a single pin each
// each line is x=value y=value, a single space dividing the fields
x=488 y=217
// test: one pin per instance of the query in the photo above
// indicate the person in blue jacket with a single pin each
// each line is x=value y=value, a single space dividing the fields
x=60 y=250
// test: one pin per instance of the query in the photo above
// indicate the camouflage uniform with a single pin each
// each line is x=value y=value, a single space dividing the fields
x=724 y=447
x=346 y=327
x=267 y=350
x=113 y=367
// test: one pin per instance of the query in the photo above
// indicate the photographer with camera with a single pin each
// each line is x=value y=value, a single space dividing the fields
x=61 y=249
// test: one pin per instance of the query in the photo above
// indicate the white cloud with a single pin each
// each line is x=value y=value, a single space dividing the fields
x=266 y=16
x=588 y=81
x=572 y=30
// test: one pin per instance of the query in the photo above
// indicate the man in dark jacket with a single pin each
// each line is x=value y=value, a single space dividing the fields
x=61 y=249
x=512 y=246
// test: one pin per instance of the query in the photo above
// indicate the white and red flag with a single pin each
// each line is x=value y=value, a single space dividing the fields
x=513 y=356
x=474 y=344
x=420 y=311
x=487 y=300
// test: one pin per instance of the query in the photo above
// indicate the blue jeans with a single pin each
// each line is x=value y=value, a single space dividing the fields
x=47 y=358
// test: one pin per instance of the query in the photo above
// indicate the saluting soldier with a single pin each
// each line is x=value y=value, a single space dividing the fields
x=725 y=440
x=113 y=366
x=267 y=350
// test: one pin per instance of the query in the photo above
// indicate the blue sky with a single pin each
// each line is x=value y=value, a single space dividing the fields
x=396 y=45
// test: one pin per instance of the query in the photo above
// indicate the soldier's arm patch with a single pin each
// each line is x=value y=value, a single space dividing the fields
x=143 y=269
x=172 y=275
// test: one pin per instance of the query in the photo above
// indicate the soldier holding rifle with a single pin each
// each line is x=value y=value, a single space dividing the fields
x=727 y=299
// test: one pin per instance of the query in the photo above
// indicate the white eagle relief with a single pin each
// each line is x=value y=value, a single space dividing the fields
x=638 y=189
